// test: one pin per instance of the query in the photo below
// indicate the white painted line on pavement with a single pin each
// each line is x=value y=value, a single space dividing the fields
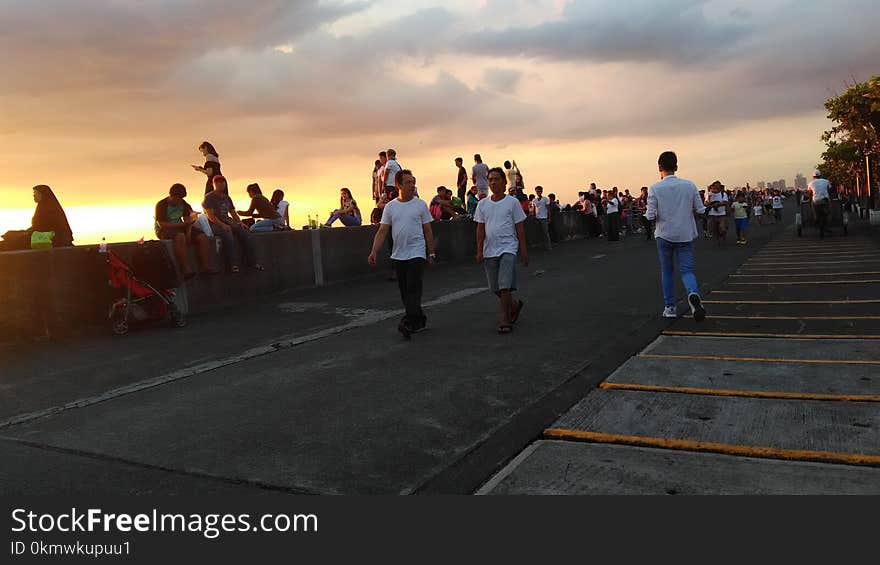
x=285 y=342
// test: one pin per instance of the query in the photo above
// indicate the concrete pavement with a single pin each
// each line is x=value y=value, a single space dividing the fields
x=776 y=392
x=315 y=392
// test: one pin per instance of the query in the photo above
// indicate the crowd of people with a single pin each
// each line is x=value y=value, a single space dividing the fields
x=495 y=201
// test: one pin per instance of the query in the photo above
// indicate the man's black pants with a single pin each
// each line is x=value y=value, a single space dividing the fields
x=613 y=226
x=409 y=278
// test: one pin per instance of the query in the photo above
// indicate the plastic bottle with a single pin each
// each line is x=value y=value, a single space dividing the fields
x=310 y=222
x=102 y=248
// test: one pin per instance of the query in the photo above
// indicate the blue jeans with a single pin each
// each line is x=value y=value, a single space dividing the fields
x=231 y=251
x=267 y=225
x=347 y=219
x=683 y=253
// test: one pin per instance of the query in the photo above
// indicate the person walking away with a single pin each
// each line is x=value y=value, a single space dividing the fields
x=741 y=218
x=818 y=189
x=480 y=176
x=500 y=235
x=672 y=203
x=717 y=203
x=211 y=168
x=408 y=220
x=542 y=214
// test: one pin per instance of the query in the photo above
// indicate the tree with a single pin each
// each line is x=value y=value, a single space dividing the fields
x=856 y=115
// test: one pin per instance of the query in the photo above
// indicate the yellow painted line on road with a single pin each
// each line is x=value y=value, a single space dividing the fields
x=761 y=359
x=733 y=292
x=763 y=255
x=771 y=302
x=712 y=447
x=793 y=317
x=751 y=263
x=766 y=334
x=814 y=274
x=812 y=270
x=791 y=283
x=743 y=393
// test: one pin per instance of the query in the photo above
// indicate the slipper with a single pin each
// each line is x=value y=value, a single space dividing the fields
x=258 y=268
x=515 y=316
x=504 y=329
x=235 y=269
x=213 y=272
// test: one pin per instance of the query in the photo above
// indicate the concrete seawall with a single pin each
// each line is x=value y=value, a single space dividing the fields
x=65 y=292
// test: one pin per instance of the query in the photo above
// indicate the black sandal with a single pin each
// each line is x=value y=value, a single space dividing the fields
x=505 y=329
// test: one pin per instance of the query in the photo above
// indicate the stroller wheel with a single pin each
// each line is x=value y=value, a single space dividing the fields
x=119 y=323
x=178 y=318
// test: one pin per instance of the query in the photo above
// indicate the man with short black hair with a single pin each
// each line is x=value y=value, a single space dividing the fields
x=408 y=219
x=819 y=192
x=461 y=181
x=392 y=167
x=672 y=202
x=500 y=235
x=542 y=214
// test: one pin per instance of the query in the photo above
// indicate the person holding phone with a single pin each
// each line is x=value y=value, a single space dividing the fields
x=211 y=167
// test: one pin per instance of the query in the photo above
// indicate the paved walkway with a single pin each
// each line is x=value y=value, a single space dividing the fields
x=777 y=392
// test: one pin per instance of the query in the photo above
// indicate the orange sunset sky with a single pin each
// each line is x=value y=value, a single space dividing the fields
x=107 y=101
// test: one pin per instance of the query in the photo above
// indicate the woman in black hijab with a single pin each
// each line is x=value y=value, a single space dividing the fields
x=49 y=216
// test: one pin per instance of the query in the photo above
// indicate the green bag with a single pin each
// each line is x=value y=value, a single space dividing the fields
x=42 y=239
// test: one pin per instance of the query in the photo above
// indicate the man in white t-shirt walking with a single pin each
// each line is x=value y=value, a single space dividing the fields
x=500 y=235
x=480 y=176
x=672 y=202
x=409 y=221
x=543 y=216
x=819 y=190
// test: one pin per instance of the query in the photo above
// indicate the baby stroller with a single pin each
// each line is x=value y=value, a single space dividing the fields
x=148 y=295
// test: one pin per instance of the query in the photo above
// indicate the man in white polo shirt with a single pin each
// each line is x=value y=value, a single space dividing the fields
x=819 y=190
x=672 y=202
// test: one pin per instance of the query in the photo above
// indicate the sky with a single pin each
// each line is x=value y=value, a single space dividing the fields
x=106 y=101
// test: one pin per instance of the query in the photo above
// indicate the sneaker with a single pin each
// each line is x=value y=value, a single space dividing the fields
x=697 y=307
x=669 y=312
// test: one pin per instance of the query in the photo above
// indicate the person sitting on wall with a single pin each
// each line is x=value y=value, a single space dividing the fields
x=261 y=207
x=282 y=206
x=175 y=221
x=228 y=227
x=441 y=207
x=348 y=212
x=49 y=216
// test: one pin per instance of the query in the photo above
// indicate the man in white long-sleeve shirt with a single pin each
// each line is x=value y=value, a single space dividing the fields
x=672 y=202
